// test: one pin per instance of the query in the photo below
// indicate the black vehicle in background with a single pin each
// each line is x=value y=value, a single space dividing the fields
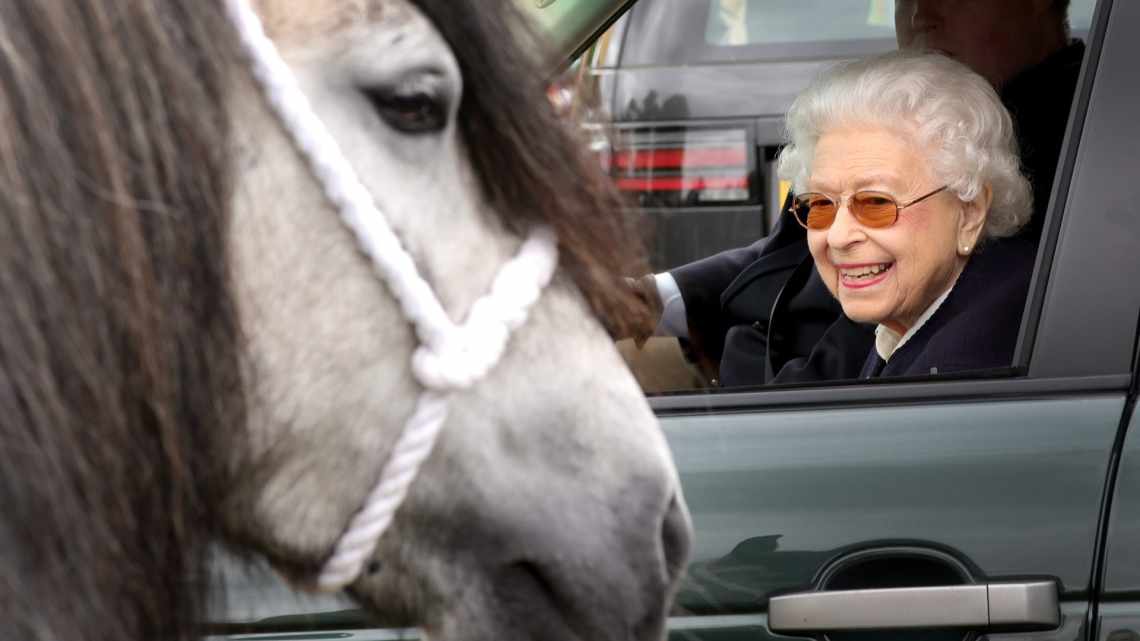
x=687 y=99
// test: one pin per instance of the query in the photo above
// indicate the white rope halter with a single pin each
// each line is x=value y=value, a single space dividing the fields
x=450 y=356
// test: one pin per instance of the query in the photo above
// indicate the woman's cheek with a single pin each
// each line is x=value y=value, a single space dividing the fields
x=827 y=271
x=830 y=277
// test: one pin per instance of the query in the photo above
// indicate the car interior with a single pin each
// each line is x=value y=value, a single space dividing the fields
x=697 y=163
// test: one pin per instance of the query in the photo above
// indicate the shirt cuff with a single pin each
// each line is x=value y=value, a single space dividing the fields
x=673 y=320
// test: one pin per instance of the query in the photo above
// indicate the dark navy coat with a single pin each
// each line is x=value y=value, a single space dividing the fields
x=977 y=325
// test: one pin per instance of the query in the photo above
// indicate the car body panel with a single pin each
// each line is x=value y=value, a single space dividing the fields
x=712 y=628
x=1122 y=554
x=1120 y=621
x=1012 y=488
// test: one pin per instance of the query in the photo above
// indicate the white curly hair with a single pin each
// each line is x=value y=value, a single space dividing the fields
x=938 y=102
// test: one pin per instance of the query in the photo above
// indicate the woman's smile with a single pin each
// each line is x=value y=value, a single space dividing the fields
x=863 y=275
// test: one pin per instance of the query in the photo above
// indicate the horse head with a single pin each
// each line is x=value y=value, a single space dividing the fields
x=549 y=506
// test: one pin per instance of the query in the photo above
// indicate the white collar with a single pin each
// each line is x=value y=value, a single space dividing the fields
x=888 y=341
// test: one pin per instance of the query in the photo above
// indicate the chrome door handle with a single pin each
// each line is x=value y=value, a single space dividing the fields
x=954 y=606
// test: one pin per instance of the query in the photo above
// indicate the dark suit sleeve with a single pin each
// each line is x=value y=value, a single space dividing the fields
x=702 y=281
x=705 y=284
x=701 y=284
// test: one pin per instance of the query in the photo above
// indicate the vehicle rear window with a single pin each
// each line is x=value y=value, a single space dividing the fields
x=733 y=23
x=686 y=32
x=673 y=32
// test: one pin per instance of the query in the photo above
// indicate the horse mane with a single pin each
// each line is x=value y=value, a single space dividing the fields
x=532 y=164
x=119 y=378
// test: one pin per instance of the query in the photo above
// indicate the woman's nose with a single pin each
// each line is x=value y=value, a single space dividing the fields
x=845 y=230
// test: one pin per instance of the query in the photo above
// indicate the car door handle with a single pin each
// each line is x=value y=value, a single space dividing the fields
x=953 y=606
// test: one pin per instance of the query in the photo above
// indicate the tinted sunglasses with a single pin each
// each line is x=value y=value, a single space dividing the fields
x=871 y=208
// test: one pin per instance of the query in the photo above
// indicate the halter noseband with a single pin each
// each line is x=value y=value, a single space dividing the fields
x=450 y=356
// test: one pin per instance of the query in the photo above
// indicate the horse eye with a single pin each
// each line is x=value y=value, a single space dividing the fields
x=411 y=112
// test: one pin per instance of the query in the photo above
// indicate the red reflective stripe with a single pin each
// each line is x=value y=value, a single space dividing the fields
x=673 y=158
x=674 y=183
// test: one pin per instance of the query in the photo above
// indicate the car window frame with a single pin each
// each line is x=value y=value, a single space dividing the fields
x=1033 y=349
x=1061 y=279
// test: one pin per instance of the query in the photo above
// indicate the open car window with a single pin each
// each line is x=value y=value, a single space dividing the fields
x=690 y=95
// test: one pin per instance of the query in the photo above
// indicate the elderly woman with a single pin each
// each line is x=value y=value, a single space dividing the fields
x=906 y=173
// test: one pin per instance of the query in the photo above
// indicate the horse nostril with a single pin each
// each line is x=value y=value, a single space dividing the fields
x=523 y=573
x=676 y=538
x=532 y=592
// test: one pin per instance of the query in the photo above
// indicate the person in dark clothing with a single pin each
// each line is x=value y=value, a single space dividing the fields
x=976 y=327
x=761 y=314
x=906 y=168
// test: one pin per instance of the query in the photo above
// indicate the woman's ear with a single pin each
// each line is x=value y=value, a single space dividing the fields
x=973 y=221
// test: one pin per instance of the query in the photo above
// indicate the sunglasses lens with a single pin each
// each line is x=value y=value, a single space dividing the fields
x=815 y=211
x=874 y=209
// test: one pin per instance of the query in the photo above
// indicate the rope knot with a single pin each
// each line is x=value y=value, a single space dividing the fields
x=461 y=356
x=457 y=356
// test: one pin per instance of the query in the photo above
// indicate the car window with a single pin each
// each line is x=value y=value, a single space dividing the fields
x=690 y=95
x=706 y=31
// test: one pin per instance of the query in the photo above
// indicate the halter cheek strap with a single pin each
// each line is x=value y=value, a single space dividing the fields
x=450 y=356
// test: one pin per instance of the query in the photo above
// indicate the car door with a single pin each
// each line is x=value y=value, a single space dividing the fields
x=959 y=508
x=1117 y=579
x=1118 y=607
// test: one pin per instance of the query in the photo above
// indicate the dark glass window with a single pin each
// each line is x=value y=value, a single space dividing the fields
x=673 y=32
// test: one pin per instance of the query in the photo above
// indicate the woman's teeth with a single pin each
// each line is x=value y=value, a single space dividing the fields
x=867 y=271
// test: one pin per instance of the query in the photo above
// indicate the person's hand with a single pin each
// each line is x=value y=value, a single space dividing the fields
x=645 y=288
